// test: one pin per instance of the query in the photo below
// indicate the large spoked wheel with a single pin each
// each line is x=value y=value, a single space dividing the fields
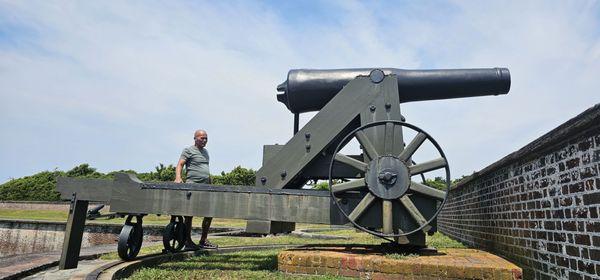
x=174 y=234
x=131 y=237
x=387 y=202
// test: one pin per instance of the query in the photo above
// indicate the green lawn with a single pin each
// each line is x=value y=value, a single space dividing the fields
x=356 y=238
x=55 y=215
x=46 y=215
x=258 y=264
x=239 y=265
x=61 y=216
x=437 y=240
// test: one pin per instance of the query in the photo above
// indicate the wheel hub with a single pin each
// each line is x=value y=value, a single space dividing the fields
x=387 y=177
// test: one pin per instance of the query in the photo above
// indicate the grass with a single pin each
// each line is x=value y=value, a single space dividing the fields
x=356 y=237
x=441 y=241
x=239 y=265
x=259 y=264
x=61 y=216
x=397 y=256
x=46 y=215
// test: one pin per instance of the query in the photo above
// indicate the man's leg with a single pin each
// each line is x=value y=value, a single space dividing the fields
x=189 y=243
x=205 y=228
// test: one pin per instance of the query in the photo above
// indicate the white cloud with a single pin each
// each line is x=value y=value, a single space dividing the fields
x=122 y=85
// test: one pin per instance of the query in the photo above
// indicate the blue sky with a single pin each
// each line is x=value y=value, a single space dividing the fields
x=123 y=85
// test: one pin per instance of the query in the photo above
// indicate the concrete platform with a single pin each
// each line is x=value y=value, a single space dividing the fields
x=370 y=262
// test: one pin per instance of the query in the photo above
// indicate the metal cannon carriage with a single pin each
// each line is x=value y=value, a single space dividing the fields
x=379 y=190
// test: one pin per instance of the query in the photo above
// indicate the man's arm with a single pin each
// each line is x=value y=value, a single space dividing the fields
x=178 y=171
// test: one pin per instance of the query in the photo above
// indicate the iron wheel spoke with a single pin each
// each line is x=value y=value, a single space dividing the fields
x=348 y=186
x=427 y=166
x=350 y=161
x=410 y=149
x=361 y=207
x=367 y=145
x=388 y=218
x=414 y=212
x=427 y=190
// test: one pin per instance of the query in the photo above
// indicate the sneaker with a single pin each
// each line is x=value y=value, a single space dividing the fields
x=208 y=245
x=192 y=246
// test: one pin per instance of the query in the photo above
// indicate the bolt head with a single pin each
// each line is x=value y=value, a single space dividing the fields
x=377 y=76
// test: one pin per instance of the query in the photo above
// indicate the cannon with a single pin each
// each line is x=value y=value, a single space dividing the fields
x=310 y=90
x=376 y=190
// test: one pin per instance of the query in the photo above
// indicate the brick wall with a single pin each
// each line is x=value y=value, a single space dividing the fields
x=538 y=206
x=22 y=237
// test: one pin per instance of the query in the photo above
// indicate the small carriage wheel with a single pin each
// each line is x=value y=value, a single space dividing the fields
x=388 y=179
x=130 y=238
x=174 y=234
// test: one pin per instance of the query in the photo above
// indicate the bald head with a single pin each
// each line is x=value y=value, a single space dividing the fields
x=200 y=138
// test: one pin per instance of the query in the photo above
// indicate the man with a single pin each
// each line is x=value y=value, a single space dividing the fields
x=195 y=158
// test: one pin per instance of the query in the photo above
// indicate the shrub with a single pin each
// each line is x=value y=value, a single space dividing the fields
x=237 y=176
x=38 y=187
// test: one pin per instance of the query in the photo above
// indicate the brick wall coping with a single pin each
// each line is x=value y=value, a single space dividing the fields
x=365 y=263
x=589 y=118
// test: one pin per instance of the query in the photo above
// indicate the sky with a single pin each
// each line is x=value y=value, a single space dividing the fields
x=124 y=84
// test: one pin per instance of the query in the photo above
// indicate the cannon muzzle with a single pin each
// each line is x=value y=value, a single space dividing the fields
x=309 y=90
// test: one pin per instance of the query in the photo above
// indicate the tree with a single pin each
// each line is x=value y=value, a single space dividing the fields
x=237 y=176
x=321 y=186
x=163 y=173
x=84 y=170
x=437 y=183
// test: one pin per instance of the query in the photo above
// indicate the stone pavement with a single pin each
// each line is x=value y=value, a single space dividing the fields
x=19 y=266
x=365 y=262
x=83 y=269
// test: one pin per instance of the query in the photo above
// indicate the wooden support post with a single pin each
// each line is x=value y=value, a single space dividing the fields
x=73 y=233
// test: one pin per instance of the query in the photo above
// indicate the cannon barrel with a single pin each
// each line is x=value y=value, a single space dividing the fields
x=308 y=90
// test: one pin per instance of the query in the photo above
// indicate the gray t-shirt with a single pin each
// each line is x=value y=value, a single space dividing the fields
x=196 y=163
